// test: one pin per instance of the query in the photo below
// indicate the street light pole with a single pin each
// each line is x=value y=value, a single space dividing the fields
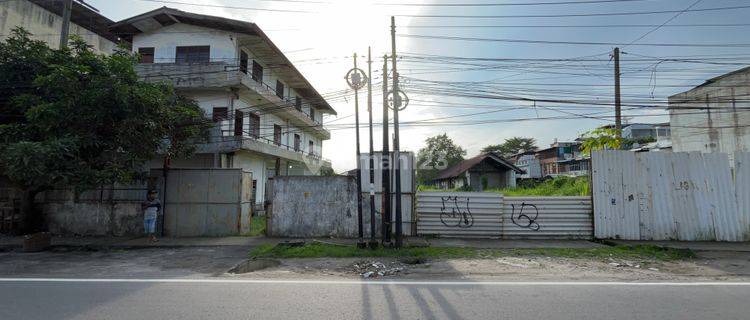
x=373 y=242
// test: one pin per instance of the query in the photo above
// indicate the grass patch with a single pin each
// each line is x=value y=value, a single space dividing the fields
x=560 y=186
x=257 y=226
x=321 y=250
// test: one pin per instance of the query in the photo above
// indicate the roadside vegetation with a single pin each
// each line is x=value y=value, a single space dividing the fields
x=257 y=227
x=560 y=186
x=324 y=250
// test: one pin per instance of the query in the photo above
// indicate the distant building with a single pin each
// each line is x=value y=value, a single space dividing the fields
x=713 y=117
x=43 y=19
x=485 y=171
x=529 y=163
x=563 y=159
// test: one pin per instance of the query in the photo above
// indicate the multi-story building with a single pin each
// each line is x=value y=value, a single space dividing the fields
x=268 y=117
x=563 y=159
x=713 y=117
x=43 y=19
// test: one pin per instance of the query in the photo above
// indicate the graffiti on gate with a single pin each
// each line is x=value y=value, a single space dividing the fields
x=525 y=220
x=455 y=212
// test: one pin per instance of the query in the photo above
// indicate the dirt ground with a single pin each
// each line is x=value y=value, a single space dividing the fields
x=218 y=261
x=707 y=266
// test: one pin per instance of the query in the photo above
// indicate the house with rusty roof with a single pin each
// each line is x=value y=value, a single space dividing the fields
x=485 y=171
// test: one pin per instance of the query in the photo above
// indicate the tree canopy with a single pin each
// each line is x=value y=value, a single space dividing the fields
x=511 y=146
x=601 y=139
x=439 y=153
x=71 y=118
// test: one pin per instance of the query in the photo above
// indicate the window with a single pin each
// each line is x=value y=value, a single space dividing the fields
x=243 y=62
x=311 y=147
x=279 y=89
x=277 y=134
x=257 y=72
x=193 y=54
x=254 y=125
x=238 y=123
x=298 y=103
x=146 y=55
x=219 y=114
x=296 y=142
x=312 y=113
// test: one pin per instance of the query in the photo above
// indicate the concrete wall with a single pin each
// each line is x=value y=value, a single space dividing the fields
x=94 y=218
x=717 y=119
x=45 y=25
x=315 y=206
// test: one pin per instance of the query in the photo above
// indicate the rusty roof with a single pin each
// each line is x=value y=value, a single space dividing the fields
x=467 y=164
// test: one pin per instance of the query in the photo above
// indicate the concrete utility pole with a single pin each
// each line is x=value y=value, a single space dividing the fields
x=386 y=197
x=618 y=115
x=67 y=8
x=396 y=147
x=373 y=243
x=360 y=230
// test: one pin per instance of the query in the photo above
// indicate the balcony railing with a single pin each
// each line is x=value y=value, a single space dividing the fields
x=228 y=134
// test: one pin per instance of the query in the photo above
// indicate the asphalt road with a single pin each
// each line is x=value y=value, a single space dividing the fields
x=228 y=299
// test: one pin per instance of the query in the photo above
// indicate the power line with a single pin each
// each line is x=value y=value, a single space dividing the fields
x=714 y=45
x=665 y=22
x=503 y=4
x=574 y=15
x=587 y=26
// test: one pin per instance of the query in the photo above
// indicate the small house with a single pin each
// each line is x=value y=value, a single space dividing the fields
x=485 y=171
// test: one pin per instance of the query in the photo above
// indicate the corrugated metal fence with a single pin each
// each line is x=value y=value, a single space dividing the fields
x=547 y=218
x=490 y=215
x=671 y=196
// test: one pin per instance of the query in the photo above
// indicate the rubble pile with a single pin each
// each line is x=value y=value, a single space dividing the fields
x=374 y=269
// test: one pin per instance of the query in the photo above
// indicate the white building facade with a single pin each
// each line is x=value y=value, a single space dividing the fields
x=713 y=117
x=268 y=117
x=43 y=19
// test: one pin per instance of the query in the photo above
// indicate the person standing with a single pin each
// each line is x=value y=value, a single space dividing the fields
x=151 y=209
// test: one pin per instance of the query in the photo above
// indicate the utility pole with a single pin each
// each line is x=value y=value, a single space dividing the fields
x=386 y=167
x=373 y=243
x=396 y=147
x=618 y=115
x=67 y=7
x=357 y=86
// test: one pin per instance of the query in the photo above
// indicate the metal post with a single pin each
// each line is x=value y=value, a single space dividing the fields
x=618 y=115
x=373 y=242
x=67 y=7
x=396 y=150
x=360 y=230
x=386 y=167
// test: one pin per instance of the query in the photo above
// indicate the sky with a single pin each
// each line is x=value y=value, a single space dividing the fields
x=525 y=90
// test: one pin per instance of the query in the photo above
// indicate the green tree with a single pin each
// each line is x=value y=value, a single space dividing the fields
x=601 y=139
x=439 y=153
x=71 y=118
x=511 y=146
